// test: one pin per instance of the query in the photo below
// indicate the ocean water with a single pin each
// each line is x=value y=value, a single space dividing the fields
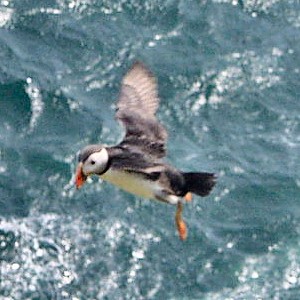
x=228 y=73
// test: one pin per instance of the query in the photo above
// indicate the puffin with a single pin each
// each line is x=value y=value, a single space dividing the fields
x=137 y=163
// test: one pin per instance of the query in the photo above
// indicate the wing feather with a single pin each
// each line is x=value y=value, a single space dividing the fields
x=139 y=91
x=136 y=108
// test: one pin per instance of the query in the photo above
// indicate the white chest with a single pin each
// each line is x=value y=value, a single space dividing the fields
x=132 y=183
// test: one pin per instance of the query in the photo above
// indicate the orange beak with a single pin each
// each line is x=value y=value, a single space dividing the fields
x=80 y=177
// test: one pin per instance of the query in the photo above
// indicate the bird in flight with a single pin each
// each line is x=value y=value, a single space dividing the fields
x=136 y=164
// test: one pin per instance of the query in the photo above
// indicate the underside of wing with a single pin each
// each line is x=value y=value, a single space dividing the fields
x=136 y=108
x=139 y=92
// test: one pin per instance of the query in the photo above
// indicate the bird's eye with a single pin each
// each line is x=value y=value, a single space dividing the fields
x=92 y=162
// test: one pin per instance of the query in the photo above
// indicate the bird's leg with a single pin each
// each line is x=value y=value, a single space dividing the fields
x=181 y=227
x=188 y=197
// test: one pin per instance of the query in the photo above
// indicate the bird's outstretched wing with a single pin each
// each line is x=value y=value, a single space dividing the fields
x=136 y=108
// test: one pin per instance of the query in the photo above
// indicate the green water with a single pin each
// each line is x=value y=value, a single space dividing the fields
x=228 y=74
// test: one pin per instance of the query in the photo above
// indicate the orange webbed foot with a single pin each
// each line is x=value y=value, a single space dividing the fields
x=188 y=197
x=181 y=226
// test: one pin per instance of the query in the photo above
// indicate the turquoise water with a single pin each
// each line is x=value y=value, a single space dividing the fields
x=228 y=74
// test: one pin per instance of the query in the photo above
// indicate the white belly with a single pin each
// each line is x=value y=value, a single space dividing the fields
x=139 y=186
x=132 y=183
x=136 y=185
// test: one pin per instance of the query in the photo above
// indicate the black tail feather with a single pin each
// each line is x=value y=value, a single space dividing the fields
x=200 y=183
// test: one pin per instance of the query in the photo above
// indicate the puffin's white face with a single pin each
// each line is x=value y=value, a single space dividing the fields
x=96 y=163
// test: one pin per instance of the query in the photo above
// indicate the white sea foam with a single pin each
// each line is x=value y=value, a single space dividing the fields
x=259 y=276
x=158 y=38
x=36 y=101
x=262 y=72
x=79 y=7
x=6 y=14
x=52 y=248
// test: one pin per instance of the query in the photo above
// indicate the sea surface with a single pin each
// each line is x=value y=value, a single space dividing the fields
x=229 y=83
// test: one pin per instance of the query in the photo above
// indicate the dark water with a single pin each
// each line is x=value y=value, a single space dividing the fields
x=228 y=74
